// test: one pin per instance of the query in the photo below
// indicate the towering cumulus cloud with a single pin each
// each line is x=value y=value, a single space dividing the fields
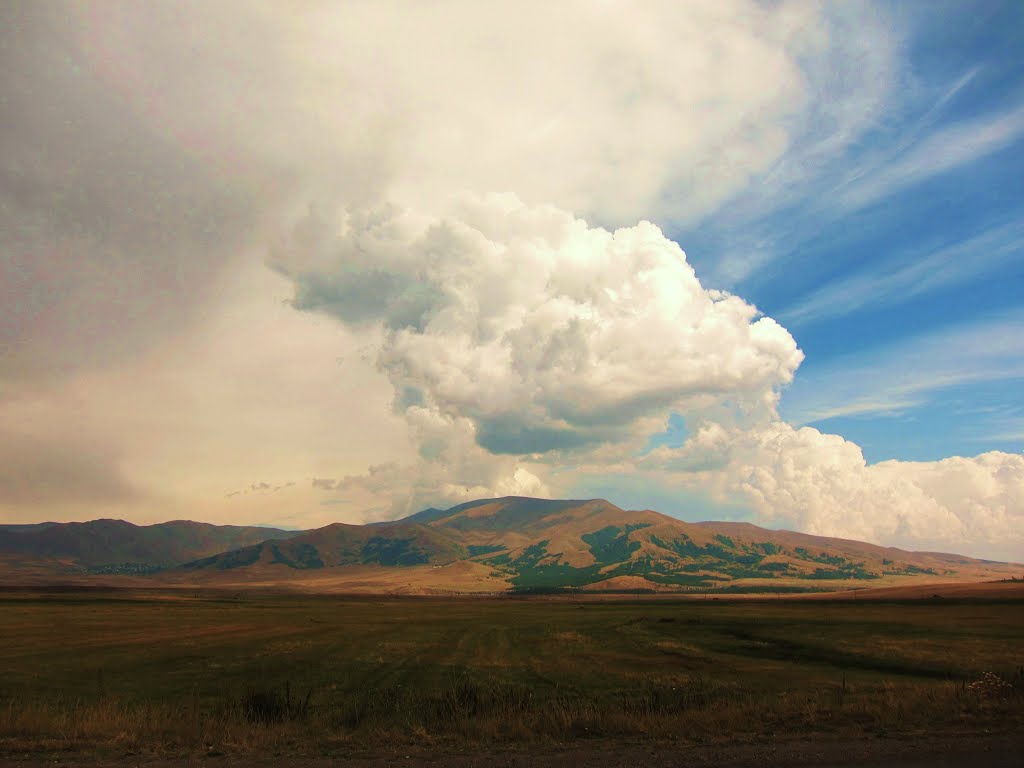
x=539 y=332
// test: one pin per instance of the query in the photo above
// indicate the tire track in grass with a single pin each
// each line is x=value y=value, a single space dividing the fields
x=759 y=645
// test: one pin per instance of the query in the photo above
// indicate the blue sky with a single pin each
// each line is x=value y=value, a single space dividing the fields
x=927 y=243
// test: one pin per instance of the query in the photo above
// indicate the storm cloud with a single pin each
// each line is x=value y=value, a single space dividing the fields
x=61 y=474
x=113 y=234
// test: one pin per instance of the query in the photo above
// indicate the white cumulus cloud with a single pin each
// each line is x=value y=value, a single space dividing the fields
x=519 y=340
x=544 y=333
x=814 y=482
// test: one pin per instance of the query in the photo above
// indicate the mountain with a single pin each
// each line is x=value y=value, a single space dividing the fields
x=524 y=543
x=25 y=527
x=402 y=543
x=117 y=546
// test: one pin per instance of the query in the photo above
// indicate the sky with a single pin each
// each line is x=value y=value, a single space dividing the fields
x=756 y=261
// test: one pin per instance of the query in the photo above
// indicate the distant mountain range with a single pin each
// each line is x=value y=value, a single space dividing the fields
x=116 y=546
x=492 y=545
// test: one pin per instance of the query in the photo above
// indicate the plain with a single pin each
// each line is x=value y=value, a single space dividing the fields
x=137 y=672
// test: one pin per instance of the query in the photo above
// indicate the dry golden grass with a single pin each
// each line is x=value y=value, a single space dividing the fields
x=461 y=577
x=486 y=714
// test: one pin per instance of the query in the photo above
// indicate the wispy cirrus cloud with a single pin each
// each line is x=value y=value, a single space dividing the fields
x=902 y=375
x=896 y=145
x=1011 y=432
x=997 y=423
x=913 y=272
x=941 y=151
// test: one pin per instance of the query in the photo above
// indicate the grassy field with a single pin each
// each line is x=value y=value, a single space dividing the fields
x=137 y=672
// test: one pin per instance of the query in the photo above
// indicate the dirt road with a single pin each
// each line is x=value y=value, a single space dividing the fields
x=991 y=750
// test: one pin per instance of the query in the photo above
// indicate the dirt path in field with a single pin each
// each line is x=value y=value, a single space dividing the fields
x=987 y=750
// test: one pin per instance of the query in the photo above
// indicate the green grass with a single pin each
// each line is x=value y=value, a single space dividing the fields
x=158 y=673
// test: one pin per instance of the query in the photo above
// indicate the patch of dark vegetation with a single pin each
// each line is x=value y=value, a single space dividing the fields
x=848 y=571
x=766 y=646
x=271 y=705
x=530 y=572
x=611 y=544
x=475 y=550
x=238 y=558
x=523 y=591
x=683 y=579
x=460 y=700
x=134 y=569
x=911 y=570
x=385 y=551
x=518 y=708
x=723 y=557
x=683 y=545
x=823 y=557
x=768 y=589
x=299 y=556
x=555 y=575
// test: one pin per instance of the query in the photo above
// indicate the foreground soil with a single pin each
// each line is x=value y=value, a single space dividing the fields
x=978 y=750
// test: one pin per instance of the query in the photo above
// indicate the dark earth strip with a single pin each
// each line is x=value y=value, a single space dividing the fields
x=978 y=750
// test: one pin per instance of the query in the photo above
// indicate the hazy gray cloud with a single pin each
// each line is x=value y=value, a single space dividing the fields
x=507 y=434
x=113 y=235
x=36 y=471
x=146 y=150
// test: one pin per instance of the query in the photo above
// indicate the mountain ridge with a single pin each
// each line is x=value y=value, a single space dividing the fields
x=114 y=546
x=522 y=543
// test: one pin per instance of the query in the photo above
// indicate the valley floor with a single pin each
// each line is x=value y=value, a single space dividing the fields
x=162 y=678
